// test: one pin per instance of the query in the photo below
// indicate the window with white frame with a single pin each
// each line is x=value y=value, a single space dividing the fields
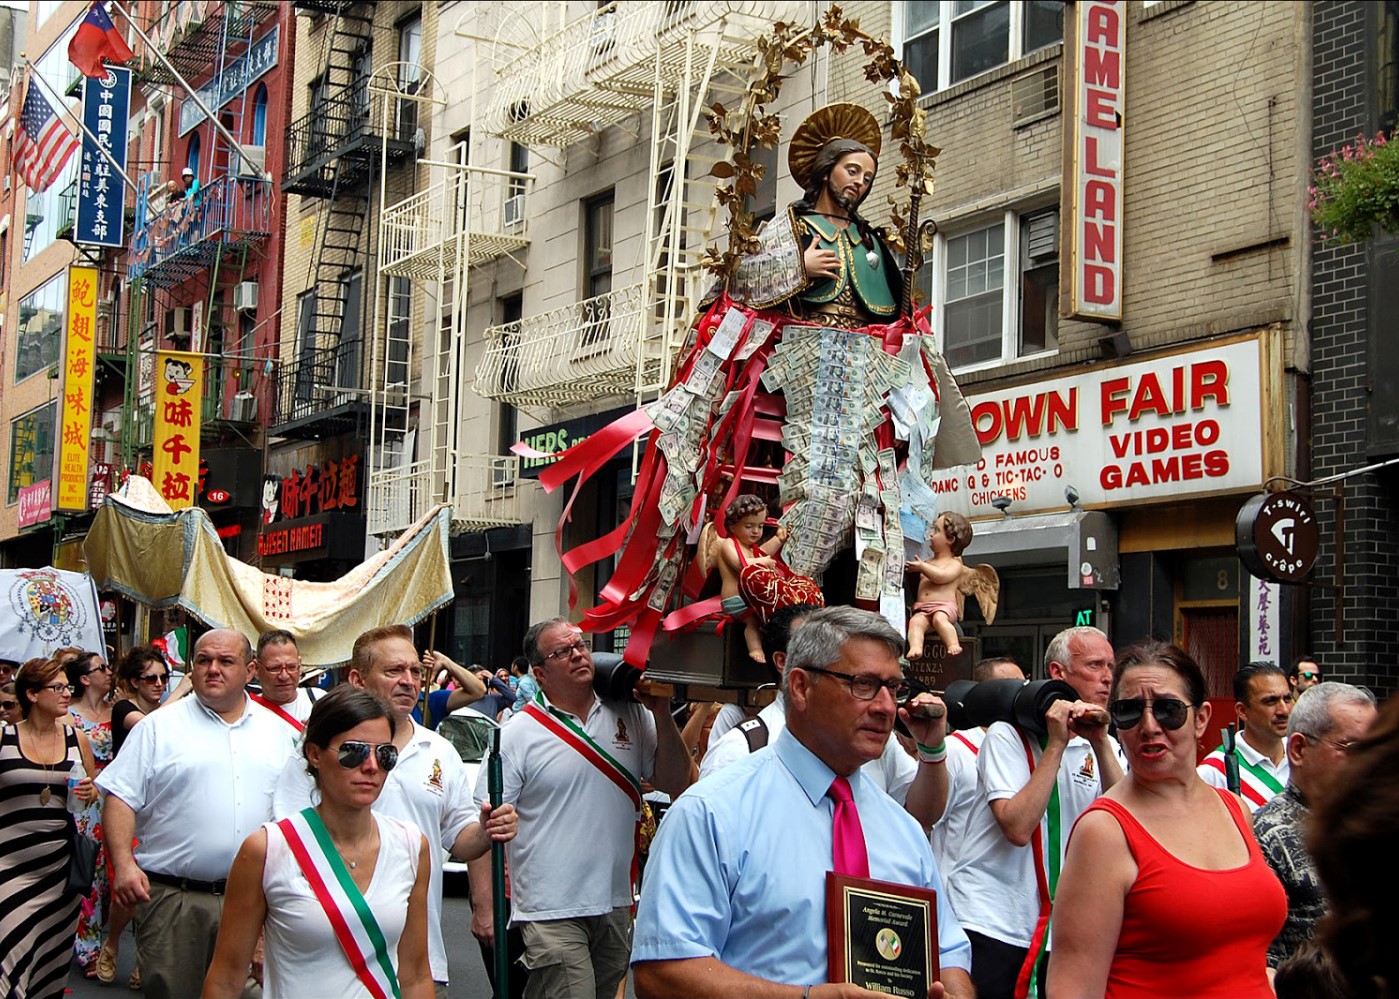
x=997 y=290
x=948 y=41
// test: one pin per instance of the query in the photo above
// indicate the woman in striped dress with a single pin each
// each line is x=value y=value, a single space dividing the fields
x=38 y=915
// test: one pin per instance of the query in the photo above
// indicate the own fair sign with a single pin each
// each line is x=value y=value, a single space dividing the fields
x=1183 y=424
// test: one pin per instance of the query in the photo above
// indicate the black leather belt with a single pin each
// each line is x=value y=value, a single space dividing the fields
x=189 y=884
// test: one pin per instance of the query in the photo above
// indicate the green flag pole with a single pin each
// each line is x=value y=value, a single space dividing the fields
x=496 y=782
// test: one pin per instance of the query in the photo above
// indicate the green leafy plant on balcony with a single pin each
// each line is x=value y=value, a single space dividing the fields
x=1356 y=189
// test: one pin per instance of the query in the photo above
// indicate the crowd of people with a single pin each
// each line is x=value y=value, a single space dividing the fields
x=263 y=835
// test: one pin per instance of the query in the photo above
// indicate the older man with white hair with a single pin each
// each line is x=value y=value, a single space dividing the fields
x=1326 y=722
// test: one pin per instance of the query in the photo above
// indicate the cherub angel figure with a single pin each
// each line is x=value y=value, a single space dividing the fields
x=744 y=520
x=944 y=583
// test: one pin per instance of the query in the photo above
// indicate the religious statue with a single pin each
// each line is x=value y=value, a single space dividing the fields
x=808 y=370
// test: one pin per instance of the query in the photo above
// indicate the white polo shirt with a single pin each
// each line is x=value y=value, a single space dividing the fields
x=993 y=887
x=893 y=772
x=429 y=788
x=729 y=716
x=572 y=856
x=299 y=707
x=198 y=785
x=1252 y=788
x=950 y=831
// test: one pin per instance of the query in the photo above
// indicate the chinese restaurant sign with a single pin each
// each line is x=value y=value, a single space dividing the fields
x=78 y=361
x=317 y=488
x=179 y=393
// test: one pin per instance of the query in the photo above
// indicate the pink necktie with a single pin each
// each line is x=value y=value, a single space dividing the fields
x=847 y=838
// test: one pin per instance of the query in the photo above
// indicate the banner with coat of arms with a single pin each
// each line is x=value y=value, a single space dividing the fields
x=46 y=609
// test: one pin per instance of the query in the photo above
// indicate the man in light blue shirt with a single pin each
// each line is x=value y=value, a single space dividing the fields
x=734 y=898
x=527 y=687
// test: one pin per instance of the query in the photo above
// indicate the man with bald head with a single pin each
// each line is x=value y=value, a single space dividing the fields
x=192 y=781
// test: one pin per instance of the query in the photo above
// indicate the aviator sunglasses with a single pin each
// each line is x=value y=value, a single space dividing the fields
x=352 y=754
x=1170 y=713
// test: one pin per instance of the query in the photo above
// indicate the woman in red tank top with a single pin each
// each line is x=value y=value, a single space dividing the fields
x=1164 y=891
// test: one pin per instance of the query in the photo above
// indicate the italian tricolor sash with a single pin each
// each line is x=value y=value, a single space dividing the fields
x=277 y=710
x=1261 y=777
x=349 y=914
x=569 y=731
x=1030 y=982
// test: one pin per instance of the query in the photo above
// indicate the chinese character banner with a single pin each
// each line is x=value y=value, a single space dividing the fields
x=101 y=199
x=179 y=392
x=78 y=361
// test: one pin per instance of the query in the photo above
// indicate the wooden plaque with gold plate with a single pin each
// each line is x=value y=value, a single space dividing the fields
x=881 y=935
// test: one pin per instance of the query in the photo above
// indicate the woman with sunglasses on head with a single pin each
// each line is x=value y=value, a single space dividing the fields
x=38 y=915
x=91 y=679
x=338 y=891
x=1164 y=889
x=142 y=678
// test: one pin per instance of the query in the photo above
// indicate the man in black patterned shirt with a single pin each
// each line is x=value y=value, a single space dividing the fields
x=1326 y=721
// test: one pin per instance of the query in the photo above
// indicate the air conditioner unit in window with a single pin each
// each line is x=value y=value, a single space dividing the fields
x=253 y=163
x=178 y=323
x=514 y=212
x=243 y=408
x=245 y=296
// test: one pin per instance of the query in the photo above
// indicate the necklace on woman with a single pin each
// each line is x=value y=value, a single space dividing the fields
x=46 y=792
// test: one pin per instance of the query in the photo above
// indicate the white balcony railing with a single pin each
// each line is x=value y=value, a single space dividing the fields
x=487 y=492
x=398 y=496
x=601 y=68
x=465 y=216
x=591 y=349
x=486 y=495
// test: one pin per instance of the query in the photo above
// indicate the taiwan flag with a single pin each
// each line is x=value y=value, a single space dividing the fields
x=97 y=39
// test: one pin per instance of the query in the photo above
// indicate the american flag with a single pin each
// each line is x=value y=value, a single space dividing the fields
x=42 y=142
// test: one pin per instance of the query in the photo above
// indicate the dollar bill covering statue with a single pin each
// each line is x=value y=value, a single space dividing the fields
x=807 y=372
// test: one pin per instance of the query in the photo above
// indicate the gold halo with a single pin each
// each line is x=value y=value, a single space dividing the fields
x=834 y=121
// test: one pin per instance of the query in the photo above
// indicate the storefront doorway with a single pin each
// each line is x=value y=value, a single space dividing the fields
x=1036 y=604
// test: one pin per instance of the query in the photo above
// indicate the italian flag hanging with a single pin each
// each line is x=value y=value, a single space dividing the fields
x=350 y=916
x=174 y=645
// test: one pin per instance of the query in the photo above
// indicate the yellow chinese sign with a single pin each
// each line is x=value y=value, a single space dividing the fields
x=78 y=362
x=179 y=393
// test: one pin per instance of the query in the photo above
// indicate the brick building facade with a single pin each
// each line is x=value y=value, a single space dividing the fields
x=1355 y=366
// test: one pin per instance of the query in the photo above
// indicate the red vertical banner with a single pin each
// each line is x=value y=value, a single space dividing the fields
x=179 y=394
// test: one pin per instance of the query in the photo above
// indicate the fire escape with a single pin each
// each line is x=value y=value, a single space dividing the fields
x=468 y=216
x=335 y=152
x=666 y=62
x=209 y=236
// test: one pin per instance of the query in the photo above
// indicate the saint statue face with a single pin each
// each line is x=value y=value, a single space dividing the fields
x=850 y=179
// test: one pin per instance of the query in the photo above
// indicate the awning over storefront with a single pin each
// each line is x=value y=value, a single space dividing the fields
x=1083 y=541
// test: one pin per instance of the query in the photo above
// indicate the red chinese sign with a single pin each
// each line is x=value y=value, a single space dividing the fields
x=318 y=488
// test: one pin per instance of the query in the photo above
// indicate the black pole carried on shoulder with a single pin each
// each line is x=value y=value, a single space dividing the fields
x=496 y=784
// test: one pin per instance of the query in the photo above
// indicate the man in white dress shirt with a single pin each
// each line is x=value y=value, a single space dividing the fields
x=429 y=787
x=192 y=781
